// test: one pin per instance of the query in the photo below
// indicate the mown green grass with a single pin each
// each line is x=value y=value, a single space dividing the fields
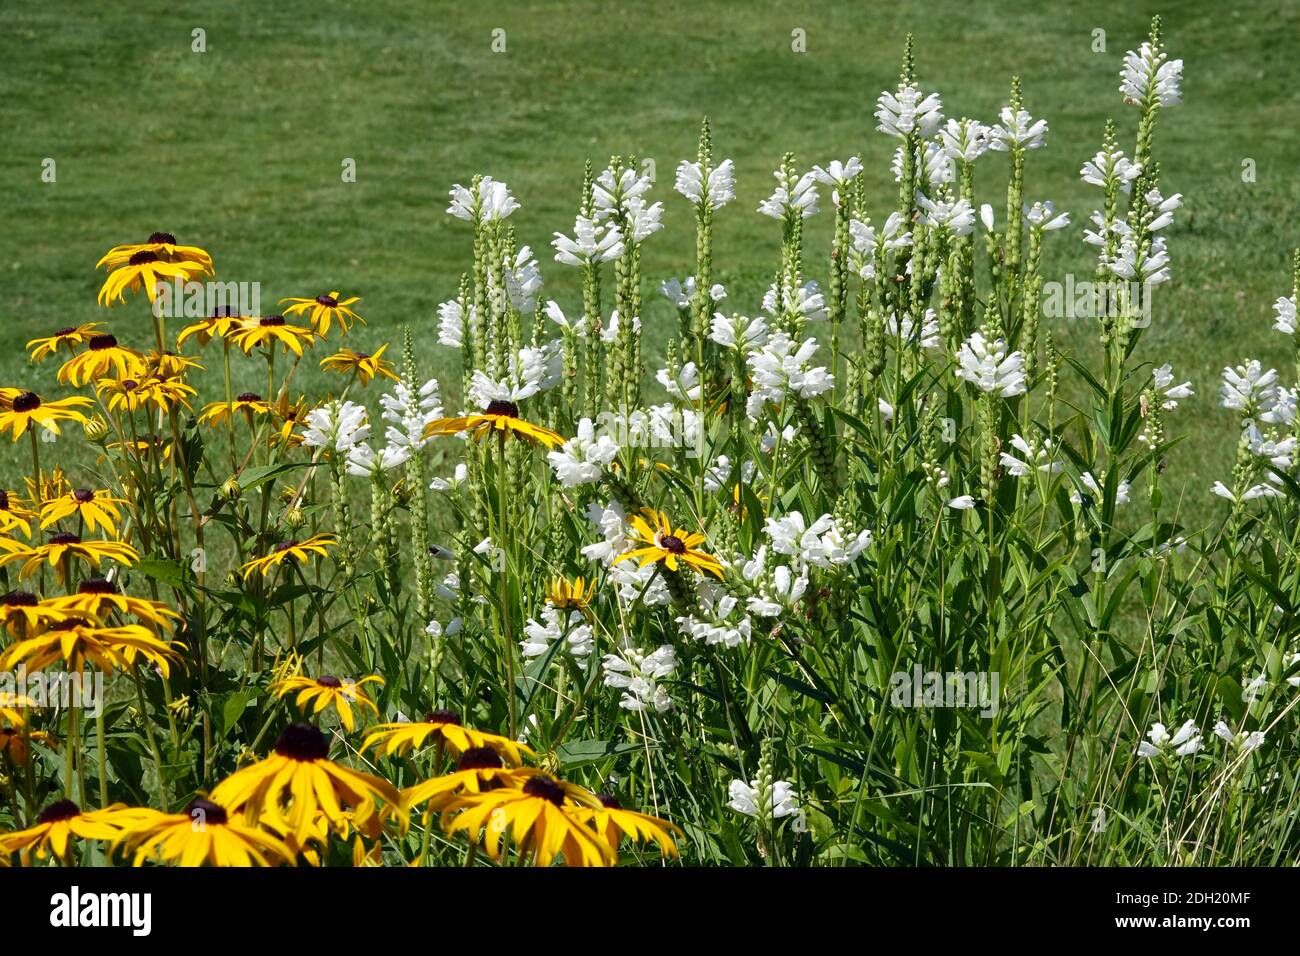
x=240 y=149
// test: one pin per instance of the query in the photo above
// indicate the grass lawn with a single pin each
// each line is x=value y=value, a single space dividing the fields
x=239 y=149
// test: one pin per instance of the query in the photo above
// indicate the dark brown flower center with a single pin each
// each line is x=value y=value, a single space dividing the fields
x=546 y=789
x=161 y=238
x=19 y=599
x=69 y=624
x=271 y=320
x=479 y=758
x=83 y=495
x=97 y=586
x=285 y=546
x=224 y=312
x=143 y=258
x=329 y=680
x=609 y=802
x=67 y=330
x=672 y=544
x=100 y=342
x=302 y=742
x=27 y=402
x=4 y=500
x=248 y=397
x=498 y=407
x=362 y=356
x=129 y=385
x=65 y=537
x=327 y=300
x=442 y=717
x=59 y=810
x=204 y=812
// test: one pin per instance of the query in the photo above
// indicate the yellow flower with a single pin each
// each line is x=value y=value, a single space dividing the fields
x=671 y=547
x=68 y=338
x=203 y=834
x=14 y=741
x=479 y=768
x=144 y=270
x=99 y=597
x=614 y=823
x=132 y=394
x=77 y=641
x=219 y=325
x=14 y=516
x=98 y=509
x=572 y=595
x=444 y=726
x=161 y=244
x=365 y=365
x=324 y=310
x=61 y=821
x=539 y=816
x=28 y=409
x=499 y=416
x=269 y=330
x=102 y=355
x=301 y=551
x=62 y=546
x=297 y=784
x=12 y=707
x=166 y=365
x=23 y=613
x=326 y=691
x=250 y=403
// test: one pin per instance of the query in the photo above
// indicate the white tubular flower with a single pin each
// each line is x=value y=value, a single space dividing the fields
x=408 y=411
x=1185 y=742
x=719 y=619
x=363 y=462
x=446 y=484
x=611 y=522
x=1250 y=494
x=794 y=196
x=577 y=326
x=1111 y=168
x=778 y=367
x=1148 y=74
x=744 y=798
x=906 y=332
x=735 y=331
x=638 y=676
x=1042 y=215
x=956 y=217
x=1241 y=741
x=685 y=387
x=961 y=503
x=1248 y=388
x=555 y=625
x=937 y=167
x=336 y=427
x=908 y=110
x=822 y=544
x=1150 y=267
x=592 y=242
x=836 y=174
x=808 y=301
x=1284 y=309
x=1162 y=208
x=643 y=221
x=776 y=589
x=986 y=217
x=1122 y=490
x=1280 y=453
x=582 y=460
x=1034 y=458
x=988 y=367
x=1281 y=409
x=680 y=294
x=610 y=331
x=1017 y=128
x=451 y=322
x=717 y=188
x=1163 y=380
x=965 y=139
x=490 y=202
x=523 y=281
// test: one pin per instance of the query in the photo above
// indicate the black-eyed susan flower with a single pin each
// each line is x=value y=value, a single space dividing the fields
x=269 y=330
x=571 y=595
x=500 y=416
x=298 y=784
x=219 y=325
x=103 y=355
x=28 y=409
x=100 y=597
x=98 y=509
x=161 y=244
x=203 y=834
x=318 y=693
x=132 y=394
x=66 y=338
x=52 y=484
x=63 y=820
x=77 y=641
x=673 y=547
x=613 y=823
x=13 y=516
x=144 y=270
x=362 y=364
x=324 y=310
x=538 y=816
x=440 y=726
x=300 y=551
x=168 y=365
x=248 y=403
x=23 y=613
x=478 y=769
x=291 y=416
x=65 y=546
